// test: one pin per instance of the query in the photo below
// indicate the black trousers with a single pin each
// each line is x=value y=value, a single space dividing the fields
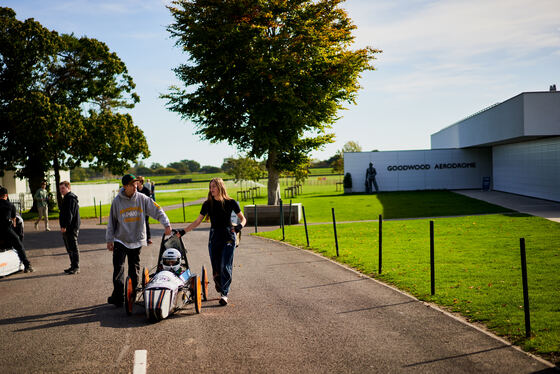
x=120 y=253
x=70 y=238
x=12 y=239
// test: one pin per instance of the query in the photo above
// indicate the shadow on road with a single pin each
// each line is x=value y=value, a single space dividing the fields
x=53 y=239
x=104 y=314
x=378 y=307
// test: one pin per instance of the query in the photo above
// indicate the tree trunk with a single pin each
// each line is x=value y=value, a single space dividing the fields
x=273 y=180
x=35 y=175
x=56 y=167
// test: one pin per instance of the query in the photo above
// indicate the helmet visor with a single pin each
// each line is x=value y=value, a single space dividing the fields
x=171 y=261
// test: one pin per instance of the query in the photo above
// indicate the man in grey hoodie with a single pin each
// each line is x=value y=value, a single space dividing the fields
x=126 y=233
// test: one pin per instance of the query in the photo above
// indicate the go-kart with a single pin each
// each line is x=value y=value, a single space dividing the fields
x=164 y=292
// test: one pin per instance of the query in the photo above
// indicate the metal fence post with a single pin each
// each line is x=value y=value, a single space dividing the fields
x=184 y=218
x=255 y=205
x=380 y=242
x=282 y=220
x=432 y=266
x=100 y=214
x=305 y=224
x=335 y=236
x=94 y=208
x=525 y=289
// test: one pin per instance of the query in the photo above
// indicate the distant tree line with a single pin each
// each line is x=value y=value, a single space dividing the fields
x=241 y=168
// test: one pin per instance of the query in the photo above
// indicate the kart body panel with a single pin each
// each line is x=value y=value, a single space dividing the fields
x=165 y=293
x=9 y=262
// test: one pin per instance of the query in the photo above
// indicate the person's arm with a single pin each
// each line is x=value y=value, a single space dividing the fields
x=155 y=211
x=194 y=224
x=13 y=215
x=110 y=232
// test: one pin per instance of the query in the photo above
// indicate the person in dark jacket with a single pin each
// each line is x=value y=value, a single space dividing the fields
x=69 y=219
x=7 y=225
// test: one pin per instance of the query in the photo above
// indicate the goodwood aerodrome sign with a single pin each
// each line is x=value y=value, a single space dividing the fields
x=448 y=165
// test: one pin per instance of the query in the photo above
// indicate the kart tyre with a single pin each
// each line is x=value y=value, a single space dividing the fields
x=204 y=281
x=145 y=277
x=129 y=296
x=197 y=294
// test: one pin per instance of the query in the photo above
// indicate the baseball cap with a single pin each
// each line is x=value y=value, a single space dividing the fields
x=128 y=178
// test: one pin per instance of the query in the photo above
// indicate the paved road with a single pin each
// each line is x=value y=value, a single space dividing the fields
x=290 y=311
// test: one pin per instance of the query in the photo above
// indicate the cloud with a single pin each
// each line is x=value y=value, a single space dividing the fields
x=461 y=29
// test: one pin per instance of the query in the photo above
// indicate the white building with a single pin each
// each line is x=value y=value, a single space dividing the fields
x=88 y=194
x=513 y=145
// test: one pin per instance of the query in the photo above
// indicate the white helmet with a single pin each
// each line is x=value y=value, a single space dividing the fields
x=171 y=260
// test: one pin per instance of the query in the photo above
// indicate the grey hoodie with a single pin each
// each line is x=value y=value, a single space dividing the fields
x=127 y=219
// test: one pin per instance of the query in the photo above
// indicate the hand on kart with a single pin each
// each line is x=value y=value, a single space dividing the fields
x=179 y=233
x=168 y=230
x=237 y=228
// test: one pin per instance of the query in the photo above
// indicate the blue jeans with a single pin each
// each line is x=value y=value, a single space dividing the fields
x=220 y=247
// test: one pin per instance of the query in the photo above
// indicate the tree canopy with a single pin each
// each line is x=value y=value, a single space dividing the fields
x=268 y=76
x=58 y=100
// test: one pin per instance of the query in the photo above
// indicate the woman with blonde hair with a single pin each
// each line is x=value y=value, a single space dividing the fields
x=221 y=244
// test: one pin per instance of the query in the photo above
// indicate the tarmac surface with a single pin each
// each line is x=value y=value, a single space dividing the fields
x=290 y=311
x=529 y=205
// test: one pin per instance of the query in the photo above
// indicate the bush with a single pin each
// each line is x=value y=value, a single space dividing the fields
x=347 y=182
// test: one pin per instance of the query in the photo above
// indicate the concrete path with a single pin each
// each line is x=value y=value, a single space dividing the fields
x=290 y=311
x=529 y=205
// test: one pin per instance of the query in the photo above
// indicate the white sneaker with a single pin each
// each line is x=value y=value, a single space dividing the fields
x=36 y=225
x=223 y=300
x=47 y=229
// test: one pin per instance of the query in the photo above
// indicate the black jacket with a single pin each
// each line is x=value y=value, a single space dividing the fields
x=69 y=217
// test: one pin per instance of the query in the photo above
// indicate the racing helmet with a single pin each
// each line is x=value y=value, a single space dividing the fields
x=171 y=260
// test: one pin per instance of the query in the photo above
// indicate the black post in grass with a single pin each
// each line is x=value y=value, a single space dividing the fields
x=305 y=224
x=525 y=289
x=432 y=275
x=255 y=206
x=100 y=215
x=94 y=208
x=380 y=242
x=184 y=218
x=290 y=214
x=335 y=236
x=282 y=220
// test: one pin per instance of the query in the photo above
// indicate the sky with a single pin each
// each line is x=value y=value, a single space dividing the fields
x=442 y=61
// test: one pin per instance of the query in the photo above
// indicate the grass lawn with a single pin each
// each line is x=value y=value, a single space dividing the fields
x=477 y=271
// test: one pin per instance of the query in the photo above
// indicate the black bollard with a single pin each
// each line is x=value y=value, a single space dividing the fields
x=380 y=242
x=432 y=266
x=525 y=289
x=282 y=220
x=305 y=224
x=335 y=236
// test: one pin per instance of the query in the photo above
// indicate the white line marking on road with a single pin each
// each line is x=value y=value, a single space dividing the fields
x=140 y=361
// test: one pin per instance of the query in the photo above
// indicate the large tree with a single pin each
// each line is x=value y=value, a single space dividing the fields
x=58 y=96
x=268 y=76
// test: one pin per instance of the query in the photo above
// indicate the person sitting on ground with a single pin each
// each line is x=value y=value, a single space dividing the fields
x=7 y=224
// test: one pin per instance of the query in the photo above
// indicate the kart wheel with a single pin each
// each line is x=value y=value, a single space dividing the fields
x=197 y=294
x=204 y=281
x=145 y=278
x=129 y=296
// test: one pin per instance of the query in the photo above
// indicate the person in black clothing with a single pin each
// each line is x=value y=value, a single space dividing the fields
x=70 y=221
x=221 y=243
x=7 y=224
x=146 y=191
